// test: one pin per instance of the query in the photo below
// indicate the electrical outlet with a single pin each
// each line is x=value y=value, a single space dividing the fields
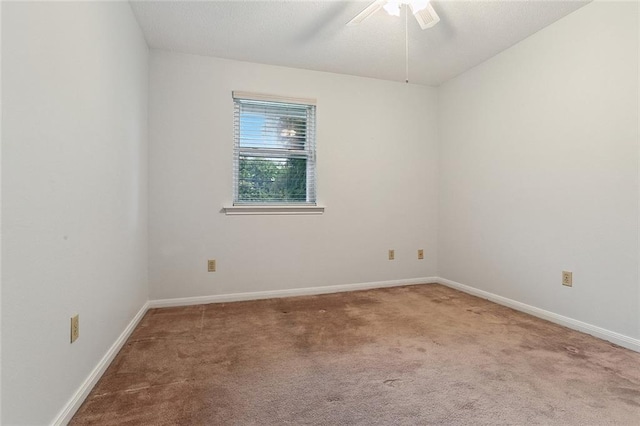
x=567 y=278
x=420 y=254
x=211 y=265
x=75 y=327
x=392 y=254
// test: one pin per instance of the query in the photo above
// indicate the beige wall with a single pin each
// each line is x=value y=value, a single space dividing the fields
x=377 y=177
x=539 y=170
x=74 y=187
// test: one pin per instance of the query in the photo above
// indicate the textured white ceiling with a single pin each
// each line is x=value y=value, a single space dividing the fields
x=313 y=34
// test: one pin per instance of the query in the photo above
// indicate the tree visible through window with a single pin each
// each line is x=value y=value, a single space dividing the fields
x=274 y=156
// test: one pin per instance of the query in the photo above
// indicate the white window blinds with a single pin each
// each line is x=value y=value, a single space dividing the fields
x=274 y=151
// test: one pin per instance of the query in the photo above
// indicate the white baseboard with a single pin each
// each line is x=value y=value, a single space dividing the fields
x=308 y=291
x=81 y=394
x=602 y=333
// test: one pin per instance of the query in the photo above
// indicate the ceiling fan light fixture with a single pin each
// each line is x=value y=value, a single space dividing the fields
x=392 y=8
x=426 y=17
x=418 y=5
x=421 y=9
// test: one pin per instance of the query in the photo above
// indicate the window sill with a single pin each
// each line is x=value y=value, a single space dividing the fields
x=273 y=210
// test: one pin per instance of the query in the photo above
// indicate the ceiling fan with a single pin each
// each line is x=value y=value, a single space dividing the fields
x=421 y=9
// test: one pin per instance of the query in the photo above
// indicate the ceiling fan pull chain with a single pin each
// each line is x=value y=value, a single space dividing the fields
x=406 y=43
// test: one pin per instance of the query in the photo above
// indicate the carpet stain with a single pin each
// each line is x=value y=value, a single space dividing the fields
x=471 y=405
x=633 y=393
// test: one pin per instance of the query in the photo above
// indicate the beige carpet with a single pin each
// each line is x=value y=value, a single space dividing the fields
x=410 y=355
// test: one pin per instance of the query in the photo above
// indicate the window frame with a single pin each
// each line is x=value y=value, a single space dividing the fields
x=309 y=205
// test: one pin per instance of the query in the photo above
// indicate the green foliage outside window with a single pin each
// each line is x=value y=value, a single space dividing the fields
x=269 y=179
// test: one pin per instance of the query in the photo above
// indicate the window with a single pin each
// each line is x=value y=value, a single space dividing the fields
x=274 y=151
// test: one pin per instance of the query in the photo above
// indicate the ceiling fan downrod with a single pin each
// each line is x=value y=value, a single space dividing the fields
x=406 y=44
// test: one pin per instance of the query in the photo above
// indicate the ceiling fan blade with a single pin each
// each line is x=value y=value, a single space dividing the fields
x=368 y=11
x=426 y=17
